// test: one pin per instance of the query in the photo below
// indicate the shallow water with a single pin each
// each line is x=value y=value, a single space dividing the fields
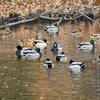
x=29 y=80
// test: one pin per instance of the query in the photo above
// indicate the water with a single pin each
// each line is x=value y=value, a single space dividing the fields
x=29 y=80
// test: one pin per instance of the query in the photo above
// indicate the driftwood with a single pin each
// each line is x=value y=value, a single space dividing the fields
x=16 y=23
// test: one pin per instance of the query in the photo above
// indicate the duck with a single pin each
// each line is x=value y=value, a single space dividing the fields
x=26 y=53
x=56 y=47
x=27 y=42
x=86 y=45
x=39 y=36
x=48 y=63
x=95 y=36
x=51 y=29
x=42 y=44
x=96 y=60
x=61 y=57
x=76 y=67
x=76 y=33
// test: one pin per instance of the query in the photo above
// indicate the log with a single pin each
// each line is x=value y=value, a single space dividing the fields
x=16 y=23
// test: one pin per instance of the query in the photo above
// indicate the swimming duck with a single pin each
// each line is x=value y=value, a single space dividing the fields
x=61 y=57
x=51 y=29
x=48 y=63
x=97 y=59
x=95 y=36
x=76 y=67
x=86 y=45
x=76 y=33
x=56 y=47
x=26 y=53
x=27 y=42
x=42 y=44
x=39 y=36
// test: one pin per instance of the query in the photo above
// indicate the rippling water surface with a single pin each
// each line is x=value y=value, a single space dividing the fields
x=29 y=80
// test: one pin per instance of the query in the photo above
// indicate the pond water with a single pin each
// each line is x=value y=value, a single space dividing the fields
x=29 y=80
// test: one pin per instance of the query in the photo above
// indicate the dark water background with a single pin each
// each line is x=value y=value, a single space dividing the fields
x=28 y=80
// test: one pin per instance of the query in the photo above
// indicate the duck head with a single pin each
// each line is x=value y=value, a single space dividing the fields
x=92 y=41
x=55 y=44
x=71 y=61
x=45 y=40
x=47 y=59
x=56 y=24
x=37 y=49
x=62 y=52
x=19 y=47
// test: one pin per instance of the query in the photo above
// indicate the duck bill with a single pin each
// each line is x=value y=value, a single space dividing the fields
x=47 y=42
x=95 y=43
x=15 y=49
x=41 y=51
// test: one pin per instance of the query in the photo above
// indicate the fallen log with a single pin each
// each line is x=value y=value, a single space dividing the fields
x=16 y=23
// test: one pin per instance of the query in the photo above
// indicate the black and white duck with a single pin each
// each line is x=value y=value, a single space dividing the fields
x=86 y=45
x=26 y=53
x=61 y=57
x=95 y=36
x=97 y=59
x=76 y=33
x=48 y=63
x=76 y=67
x=42 y=44
x=51 y=29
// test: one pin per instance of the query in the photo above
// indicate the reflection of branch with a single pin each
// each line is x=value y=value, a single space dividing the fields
x=8 y=30
x=91 y=19
x=2 y=34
